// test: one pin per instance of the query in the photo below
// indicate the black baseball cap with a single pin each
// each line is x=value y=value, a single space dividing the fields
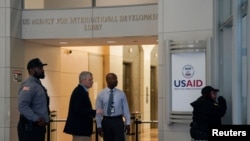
x=208 y=89
x=36 y=62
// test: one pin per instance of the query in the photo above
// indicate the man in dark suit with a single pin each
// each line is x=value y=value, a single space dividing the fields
x=79 y=122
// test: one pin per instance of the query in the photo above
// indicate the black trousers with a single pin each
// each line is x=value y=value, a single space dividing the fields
x=198 y=134
x=113 y=129
x=30 y=131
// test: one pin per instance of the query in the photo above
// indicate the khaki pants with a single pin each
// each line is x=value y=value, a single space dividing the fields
x=81 y=138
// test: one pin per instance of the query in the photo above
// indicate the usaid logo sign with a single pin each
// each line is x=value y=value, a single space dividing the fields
x=187 y=79
x=188 y=71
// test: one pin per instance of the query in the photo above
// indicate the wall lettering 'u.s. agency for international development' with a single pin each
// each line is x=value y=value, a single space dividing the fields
x=91 y=23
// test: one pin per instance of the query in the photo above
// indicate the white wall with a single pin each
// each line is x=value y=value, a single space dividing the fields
x=77 y=23
x=11 y=58
x=179 y=20
x=33 y=4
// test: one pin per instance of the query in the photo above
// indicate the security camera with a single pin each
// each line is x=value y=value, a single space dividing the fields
x=68 y=51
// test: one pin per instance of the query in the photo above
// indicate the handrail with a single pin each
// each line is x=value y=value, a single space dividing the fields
x=140 y=122
x=58 y=120
x=137 y=122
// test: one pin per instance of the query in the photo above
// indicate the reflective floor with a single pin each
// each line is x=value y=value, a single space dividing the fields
x=146 y=135
x=149 y=135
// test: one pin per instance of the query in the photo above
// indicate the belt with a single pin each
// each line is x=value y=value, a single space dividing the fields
x=24 y=120
x=112 y=117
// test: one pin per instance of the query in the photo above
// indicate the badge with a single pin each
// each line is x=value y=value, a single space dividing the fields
x=25 y=88
x=112 y=109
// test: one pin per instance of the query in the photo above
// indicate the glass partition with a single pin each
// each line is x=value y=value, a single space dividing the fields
x=66 y=4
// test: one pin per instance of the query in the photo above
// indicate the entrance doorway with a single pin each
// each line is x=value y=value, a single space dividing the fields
x=154 y=96
x=127 y=83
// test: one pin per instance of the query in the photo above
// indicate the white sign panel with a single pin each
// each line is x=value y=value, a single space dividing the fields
x=90 y=22
x=188 y=77
x=43 y=24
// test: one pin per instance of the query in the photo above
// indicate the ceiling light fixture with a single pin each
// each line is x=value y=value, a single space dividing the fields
x=111 y=42
x=63 y=43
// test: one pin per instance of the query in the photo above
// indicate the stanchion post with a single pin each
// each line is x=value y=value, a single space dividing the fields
x=96 y=133
x=48 y=131
x=136 y=129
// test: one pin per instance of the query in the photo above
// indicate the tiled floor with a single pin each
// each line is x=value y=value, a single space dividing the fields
x=149 y=135
x=146 y=135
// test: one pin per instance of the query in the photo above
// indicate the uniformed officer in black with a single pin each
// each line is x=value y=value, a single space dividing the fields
x=207 y=111
x=33 y=104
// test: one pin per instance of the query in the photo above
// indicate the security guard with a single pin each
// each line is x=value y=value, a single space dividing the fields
x=33 y=104
x=206 y=112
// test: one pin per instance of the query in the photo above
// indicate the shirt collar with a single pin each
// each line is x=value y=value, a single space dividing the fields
x=85 y=88
x=108 y=89
x=35 y=79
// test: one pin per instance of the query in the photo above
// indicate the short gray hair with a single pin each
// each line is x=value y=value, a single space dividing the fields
x=83 y=75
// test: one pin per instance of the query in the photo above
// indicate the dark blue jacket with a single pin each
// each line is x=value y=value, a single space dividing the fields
x=80 y=115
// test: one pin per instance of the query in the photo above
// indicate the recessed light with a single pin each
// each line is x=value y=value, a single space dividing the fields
x=63 y=43
x=111 y=42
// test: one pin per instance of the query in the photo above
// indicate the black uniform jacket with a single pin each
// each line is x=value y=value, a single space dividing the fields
x=207 y=111
x=80 y=115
